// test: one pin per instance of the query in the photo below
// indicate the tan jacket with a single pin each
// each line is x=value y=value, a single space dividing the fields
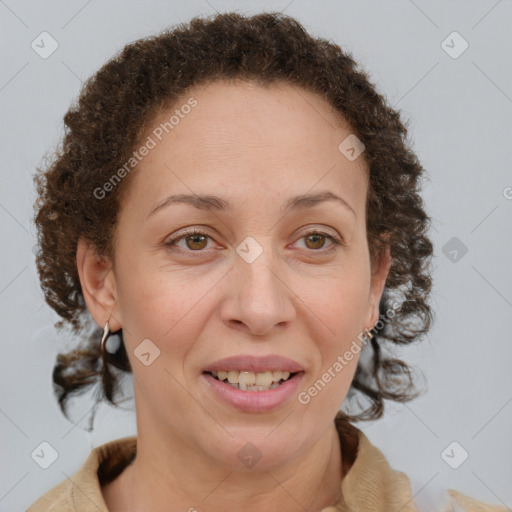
x=369 y=486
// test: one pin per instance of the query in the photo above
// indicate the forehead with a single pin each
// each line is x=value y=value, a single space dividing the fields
x=237 y=115
x=247 y=139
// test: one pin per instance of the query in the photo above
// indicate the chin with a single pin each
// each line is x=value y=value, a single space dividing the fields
x=255 y=449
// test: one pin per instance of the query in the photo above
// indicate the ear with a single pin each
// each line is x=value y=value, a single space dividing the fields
x=380 y=273
x=98 y=285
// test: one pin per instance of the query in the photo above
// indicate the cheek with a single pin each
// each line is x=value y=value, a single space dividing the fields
x=160 y=307
x=341 y=308
x=163 y=305
x=341 y=302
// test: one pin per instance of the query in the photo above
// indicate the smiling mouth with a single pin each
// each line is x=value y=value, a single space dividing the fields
x=252 y=381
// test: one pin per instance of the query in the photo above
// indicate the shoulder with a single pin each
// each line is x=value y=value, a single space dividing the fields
x=55 y=500
x=461 y=502
x=82 y=491
x=372 y=484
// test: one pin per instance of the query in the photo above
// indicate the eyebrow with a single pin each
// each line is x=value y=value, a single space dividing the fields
x=215 y=203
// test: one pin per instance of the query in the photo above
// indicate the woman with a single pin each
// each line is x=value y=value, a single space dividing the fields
x=236 y=204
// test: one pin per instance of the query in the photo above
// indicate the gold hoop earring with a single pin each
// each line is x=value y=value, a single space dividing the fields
x=106 y=334
x=369 y=334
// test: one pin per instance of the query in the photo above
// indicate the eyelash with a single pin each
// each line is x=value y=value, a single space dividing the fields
x=336 y=242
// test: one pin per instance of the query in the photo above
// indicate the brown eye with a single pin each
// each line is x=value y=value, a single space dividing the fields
x=317 y=241
x=196 y=242
x=193 y=241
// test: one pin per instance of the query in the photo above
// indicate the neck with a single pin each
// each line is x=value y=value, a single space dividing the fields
x=169 y=476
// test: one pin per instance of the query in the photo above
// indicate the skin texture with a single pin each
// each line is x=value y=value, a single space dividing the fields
x=297 y=299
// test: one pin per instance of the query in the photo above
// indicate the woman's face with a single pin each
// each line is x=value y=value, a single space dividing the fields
x=255 y=283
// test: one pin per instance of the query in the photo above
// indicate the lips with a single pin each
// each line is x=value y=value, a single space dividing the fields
x=276 y=379
x=252 y=400
x=255 y=364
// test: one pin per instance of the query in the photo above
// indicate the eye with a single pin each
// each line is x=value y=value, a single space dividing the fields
x=195 y=240
x=315 y=241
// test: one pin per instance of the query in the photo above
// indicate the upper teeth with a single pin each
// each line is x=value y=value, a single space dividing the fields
x=252 y=378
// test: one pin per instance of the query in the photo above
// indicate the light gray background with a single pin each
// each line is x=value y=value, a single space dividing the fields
x=460 y=111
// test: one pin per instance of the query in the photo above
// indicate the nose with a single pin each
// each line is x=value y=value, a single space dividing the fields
x=259 y=299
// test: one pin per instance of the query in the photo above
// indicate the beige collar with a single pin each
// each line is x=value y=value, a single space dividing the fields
x=369 y=484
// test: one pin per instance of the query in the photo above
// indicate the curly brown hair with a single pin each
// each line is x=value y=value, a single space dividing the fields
x=119 y=103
